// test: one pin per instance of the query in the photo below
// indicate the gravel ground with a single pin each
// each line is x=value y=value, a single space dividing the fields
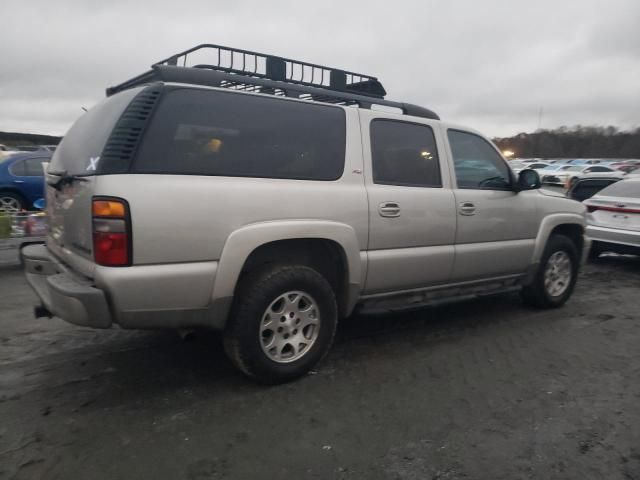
x=485 y=389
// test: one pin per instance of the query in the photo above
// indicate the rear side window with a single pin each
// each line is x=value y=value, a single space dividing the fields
x=404 y=153
x=33 y=167
x=202 y=132
x=18 y=168
x=79 y=151
x=30 y=167
x=477 y=164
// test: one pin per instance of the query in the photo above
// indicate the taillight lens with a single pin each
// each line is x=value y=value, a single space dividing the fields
x=111 y=235
x=611 y=208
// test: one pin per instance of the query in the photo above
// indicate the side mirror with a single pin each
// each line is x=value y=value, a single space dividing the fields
x=528 y=179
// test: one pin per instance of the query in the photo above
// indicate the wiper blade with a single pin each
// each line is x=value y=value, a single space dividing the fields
x=59 y=179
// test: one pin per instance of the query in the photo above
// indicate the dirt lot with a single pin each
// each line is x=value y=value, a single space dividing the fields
x=484 y=389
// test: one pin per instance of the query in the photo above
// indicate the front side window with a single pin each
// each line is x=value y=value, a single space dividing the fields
x=404 y=154
x=203 y=132
x=477 y=164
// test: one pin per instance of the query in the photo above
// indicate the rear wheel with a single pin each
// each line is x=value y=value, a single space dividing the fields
x=12 y=202
x=556 y=276
x=282 y=324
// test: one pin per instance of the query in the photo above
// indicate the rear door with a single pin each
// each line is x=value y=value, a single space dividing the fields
x=496 y=227
x=412 y=219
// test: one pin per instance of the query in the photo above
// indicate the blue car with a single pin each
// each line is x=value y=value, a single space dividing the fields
x=22 y=180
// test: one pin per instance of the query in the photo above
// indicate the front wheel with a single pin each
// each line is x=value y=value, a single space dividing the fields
x=282 y=324
x=556 y=276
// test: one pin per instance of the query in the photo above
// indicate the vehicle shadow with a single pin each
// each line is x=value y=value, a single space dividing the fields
x=626 y=263
x=164 y=368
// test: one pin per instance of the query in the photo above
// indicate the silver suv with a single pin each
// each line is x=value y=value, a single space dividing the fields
x=267 y=198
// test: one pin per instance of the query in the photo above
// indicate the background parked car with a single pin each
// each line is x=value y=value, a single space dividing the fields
x=517 y=166
x=551 y=171
x=613 y=218
x=627 y=166
x=22 y=180
x=5 y=151
x=565 y=177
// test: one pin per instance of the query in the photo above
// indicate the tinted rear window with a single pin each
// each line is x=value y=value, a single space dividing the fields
x=204 y=132
x=86 y=138
x=628 y=188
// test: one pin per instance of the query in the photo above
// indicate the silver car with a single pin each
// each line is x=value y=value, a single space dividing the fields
x=270 y=207
x=614 y=218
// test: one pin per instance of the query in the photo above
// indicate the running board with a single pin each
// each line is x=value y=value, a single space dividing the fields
x=410 y=300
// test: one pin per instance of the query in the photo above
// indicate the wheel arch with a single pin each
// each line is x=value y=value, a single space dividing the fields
x=568 y=224
x=330 y=247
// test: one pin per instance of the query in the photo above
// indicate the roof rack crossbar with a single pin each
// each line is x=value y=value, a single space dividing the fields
x=246 y=62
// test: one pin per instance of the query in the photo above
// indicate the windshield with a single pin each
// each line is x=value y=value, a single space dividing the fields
x=80 y=149
x=575 y=168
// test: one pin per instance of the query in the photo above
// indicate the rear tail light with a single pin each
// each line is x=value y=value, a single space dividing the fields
x=592 y=208
x=111 y=232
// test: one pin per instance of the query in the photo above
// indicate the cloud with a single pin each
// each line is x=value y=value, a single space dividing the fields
x=491 y=65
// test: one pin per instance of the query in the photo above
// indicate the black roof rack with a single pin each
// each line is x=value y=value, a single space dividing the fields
x=260 y=73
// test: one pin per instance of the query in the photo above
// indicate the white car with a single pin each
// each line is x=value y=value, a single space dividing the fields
x=518 y=166
x=565 y=175
x=613 y=218
x=552 y=170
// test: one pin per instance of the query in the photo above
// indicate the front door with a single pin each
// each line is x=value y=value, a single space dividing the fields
x=496 y=225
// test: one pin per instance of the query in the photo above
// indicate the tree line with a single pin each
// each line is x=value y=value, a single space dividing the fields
x=574 y=142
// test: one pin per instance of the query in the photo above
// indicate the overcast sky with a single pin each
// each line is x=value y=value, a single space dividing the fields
x=491 y=65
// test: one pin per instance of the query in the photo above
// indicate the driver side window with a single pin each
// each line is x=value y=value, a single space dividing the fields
x=477 y=164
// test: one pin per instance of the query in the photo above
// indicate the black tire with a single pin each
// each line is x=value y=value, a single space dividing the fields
x=535 y=294
x=256 y=292
x=22 y=204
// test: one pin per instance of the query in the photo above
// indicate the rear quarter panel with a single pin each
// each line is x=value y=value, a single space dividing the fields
x=188 y=218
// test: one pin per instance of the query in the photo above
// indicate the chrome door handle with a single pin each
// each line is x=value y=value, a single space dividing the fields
x=467 y=208
x=389 y=209
x=18 y=181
